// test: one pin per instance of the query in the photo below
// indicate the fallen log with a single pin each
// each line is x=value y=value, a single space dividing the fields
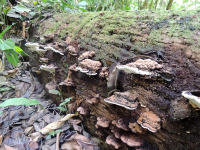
x=127 y=71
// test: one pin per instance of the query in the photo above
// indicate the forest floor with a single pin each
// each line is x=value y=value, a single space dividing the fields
x=34 y=127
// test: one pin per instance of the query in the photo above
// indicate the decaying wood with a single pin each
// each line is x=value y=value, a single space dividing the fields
x=169 y=42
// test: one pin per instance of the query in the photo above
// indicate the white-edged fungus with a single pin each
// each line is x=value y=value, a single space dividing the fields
x=89 y=66
x=193 y=96
x=150 y=121
x=49 y=68
x=124 y=99
x=102 y=122
x=72 y=51
x=51 y=48
x=35 y=47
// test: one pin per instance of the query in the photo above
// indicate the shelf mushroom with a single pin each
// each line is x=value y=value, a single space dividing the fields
x=111 y=140
x=150 y=121
x=193 y=96
x=124 y=99
x=86 y=55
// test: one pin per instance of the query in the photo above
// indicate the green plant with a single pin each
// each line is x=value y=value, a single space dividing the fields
x=8 y=47
x=62 y=106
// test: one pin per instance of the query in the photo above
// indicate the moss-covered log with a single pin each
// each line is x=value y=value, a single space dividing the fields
x=151 y=112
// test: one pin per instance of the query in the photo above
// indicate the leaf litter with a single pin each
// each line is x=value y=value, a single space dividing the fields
x=30 y=126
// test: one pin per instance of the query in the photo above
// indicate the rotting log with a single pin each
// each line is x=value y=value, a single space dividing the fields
x=151 y=112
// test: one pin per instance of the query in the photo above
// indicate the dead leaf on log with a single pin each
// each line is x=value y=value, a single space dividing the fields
x=71 y=145
x=57 y=124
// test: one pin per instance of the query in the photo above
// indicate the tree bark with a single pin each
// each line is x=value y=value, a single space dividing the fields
x=169 y=5
x=170 y=40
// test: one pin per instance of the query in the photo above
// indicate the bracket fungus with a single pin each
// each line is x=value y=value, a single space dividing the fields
x=124 y=99
x=104 y=73
x=89 y=66
x=72 y=51
x=193 y=96
x=132 y=140
x=150 y=121
x=102 y=122
x=140 y=66
x=49 y=68
x=111 y=140
x=52 y=49
x=86 y=55
x=82 y=110
x=35 y=47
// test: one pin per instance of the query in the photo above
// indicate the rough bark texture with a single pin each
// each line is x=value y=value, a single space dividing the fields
x=168 y=38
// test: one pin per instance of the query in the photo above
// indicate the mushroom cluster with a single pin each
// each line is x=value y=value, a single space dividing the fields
x=71 y=50
x=86 y=55
x=102 y=122
x=35 y=47
x=104 y=73
x=89 y=66
x=125 y=99
x=49 y=68
x=194 y=97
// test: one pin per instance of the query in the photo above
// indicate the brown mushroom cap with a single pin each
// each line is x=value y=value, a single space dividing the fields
x=150 y=121
x=111 y=140
x=69 y=82
x=82 y=110
x=72 y=50
x=132 y=140
x=89 y=66
x=124 y=99
x=104 y=73
x=86 y=55
x=103 y=122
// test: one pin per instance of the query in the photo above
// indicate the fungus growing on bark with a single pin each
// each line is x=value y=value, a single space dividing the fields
x=102 y=122
x=72 y=51
x=135 y=127
x=52 y=49
x=86 y=55
x=49 y=68
x=48 y=37
x=132 y=140
x=193 y=96
x=116 y=131
x=124 y=99
x=45 y=60
x=140 y=66
x=82 y=110
x=150 y=121
x=104 y=73
x=120 y=124
x=89 y=66
x=72 y=68
x=69 y=82
x=111 y=140
x=35 y=47
x=92 y=101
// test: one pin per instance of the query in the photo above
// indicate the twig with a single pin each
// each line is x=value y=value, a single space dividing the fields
x=57 y=141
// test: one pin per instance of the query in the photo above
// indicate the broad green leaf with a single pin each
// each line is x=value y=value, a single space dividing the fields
x=82 y=4
x=44 y=0
x=21 y=8
x=7 y=44
x=61 y=108
x=20 y=51
x=19 y=101
x=1 y=112
x=12 y=57
x=53 y=91
x=58 y=131
x=52 y=133
x=61 y=104
x=13 y=14
x=4 y=31
x=68 y=99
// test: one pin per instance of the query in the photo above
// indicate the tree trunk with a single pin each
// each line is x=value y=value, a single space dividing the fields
x=169 y=5
x=139 y=109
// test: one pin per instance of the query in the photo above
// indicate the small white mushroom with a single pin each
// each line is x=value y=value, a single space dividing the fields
x=48 y=68
x=35 y=47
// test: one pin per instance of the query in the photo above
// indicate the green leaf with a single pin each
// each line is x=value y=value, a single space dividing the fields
x=44 y=0
x=20 y=51
x=21 y=8
x=48 y=137
x=12 y=57
x=58 y=131
x=52 y=133
x=63 y=103
x=68 y=99
x=7 y=44
x=4 y=31
x=61 y=108
x=19 y=101
x=1 y=112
